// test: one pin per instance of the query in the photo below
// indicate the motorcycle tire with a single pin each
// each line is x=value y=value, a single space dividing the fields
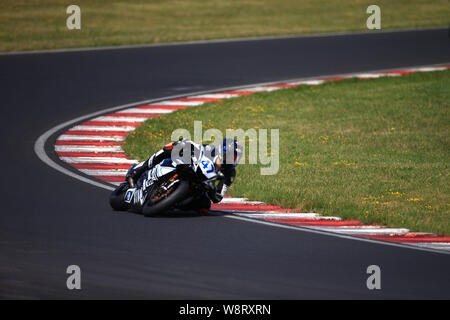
x=175 y=196
x=116 y=199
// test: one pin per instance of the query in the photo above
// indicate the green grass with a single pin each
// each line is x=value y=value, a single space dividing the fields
x=41 y=24
x=375 y=150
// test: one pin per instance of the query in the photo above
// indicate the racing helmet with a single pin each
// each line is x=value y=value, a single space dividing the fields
x=231 y=151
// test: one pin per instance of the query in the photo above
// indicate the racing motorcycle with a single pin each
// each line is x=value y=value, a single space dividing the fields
x=170 y=184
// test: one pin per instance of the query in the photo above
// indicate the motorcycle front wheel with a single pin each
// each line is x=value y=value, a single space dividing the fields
x=151 y=209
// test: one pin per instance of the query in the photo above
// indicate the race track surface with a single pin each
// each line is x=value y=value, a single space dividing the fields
x=49 y=221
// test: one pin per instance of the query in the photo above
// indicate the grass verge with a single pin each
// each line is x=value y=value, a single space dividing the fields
x=374 y=150
x=41 y=24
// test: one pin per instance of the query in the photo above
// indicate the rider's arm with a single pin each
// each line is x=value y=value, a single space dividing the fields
x=229 y=173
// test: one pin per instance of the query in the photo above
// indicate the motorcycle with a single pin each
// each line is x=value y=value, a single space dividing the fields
x=171 y=184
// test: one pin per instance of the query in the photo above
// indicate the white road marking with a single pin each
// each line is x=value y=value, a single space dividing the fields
x=433 y=245
x=180 y=103
x=428 y=69
x=149 y=111
x=88 y=149
x=284 y=215
x=260 y=89
x=364 y=230
x=104 y=128
x=89 y=138
x=293 y=215
x=92 y=172
x=97 y=160
x=239 y=201
x=308 y=82
x=368 y=75
x=120 y=119
x=215 y=96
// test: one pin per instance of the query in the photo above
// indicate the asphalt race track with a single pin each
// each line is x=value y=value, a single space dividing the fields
x=49 y=221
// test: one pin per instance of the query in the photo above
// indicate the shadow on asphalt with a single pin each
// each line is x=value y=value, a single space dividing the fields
x=173 y=214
